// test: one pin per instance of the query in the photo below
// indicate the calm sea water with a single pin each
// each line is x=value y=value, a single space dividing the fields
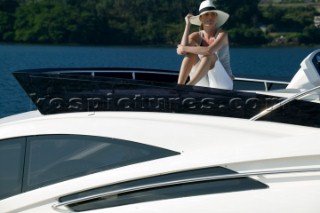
x=266 y=63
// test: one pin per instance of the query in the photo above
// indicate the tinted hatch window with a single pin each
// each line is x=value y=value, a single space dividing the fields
x=56 y=158
x=11 y=166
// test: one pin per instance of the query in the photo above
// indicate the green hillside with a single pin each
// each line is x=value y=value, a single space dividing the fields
x=153 y=22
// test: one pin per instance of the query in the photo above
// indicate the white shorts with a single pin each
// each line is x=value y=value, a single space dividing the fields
x=217 y=77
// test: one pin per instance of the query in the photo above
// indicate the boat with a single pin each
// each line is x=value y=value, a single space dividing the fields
x=131 y=140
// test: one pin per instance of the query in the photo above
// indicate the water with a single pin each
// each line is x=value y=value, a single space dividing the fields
x=266 y=63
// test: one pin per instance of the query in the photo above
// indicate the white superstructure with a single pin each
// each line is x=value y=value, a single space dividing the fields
x=284 y=159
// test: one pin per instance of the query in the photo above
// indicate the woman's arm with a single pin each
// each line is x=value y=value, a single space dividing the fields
x=187 y=40
x=220 y=41
x=185 y=37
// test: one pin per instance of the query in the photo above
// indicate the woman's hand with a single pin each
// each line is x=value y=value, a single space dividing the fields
x=180 y=50
x=187 y=18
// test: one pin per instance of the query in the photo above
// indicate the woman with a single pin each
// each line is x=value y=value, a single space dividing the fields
x=207 y=58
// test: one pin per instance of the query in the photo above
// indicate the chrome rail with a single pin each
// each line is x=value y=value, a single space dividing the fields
x=284 y=102
x=266 y=83
x=180 y=182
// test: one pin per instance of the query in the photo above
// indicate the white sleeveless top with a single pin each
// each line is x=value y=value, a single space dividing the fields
x=223 y=54
x=219 y=75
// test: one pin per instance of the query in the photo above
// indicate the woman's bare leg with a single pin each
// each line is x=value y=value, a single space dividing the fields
x=187 y=63
x=206 y=64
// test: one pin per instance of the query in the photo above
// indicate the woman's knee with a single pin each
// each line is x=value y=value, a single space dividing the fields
x=211 y=59
x=191 y=57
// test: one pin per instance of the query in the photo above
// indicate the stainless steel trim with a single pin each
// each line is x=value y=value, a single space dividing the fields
x=183 y=181
x=261 y=81
x=265 y=82
x=284 y=102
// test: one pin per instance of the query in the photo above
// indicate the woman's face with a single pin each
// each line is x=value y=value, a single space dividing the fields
x=209 y=18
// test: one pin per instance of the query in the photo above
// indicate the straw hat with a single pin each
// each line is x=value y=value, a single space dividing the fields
x=207 y=6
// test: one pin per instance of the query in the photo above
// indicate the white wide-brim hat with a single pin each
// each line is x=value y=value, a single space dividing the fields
x=207 y=6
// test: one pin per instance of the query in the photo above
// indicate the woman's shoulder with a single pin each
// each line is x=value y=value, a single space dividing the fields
x=195 y=34
x=195 y=37
x=222 y=34
x=222 y=31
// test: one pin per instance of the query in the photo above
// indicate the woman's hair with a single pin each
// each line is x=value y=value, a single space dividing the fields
x=201 y=26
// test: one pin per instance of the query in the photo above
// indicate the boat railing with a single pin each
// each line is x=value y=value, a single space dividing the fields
x=267 y=83
x=284 y=102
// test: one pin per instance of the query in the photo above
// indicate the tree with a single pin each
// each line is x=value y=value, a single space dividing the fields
x=242 y=12
x=8 y=6
x=6 y=26
x=140 y=22
x=7 y=9
x=243 y=24
x=55 y=22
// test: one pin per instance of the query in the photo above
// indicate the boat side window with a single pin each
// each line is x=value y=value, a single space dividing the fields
x=54 y=158
x=11 y=166
x=316 y=62
x=175 y=185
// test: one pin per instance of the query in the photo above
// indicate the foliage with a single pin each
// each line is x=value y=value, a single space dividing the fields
x=242 y=12
x=296 y=24
x=288 y=19
x=247 y=36
x=7 y=9
x=6 y=30
x=140 y=22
